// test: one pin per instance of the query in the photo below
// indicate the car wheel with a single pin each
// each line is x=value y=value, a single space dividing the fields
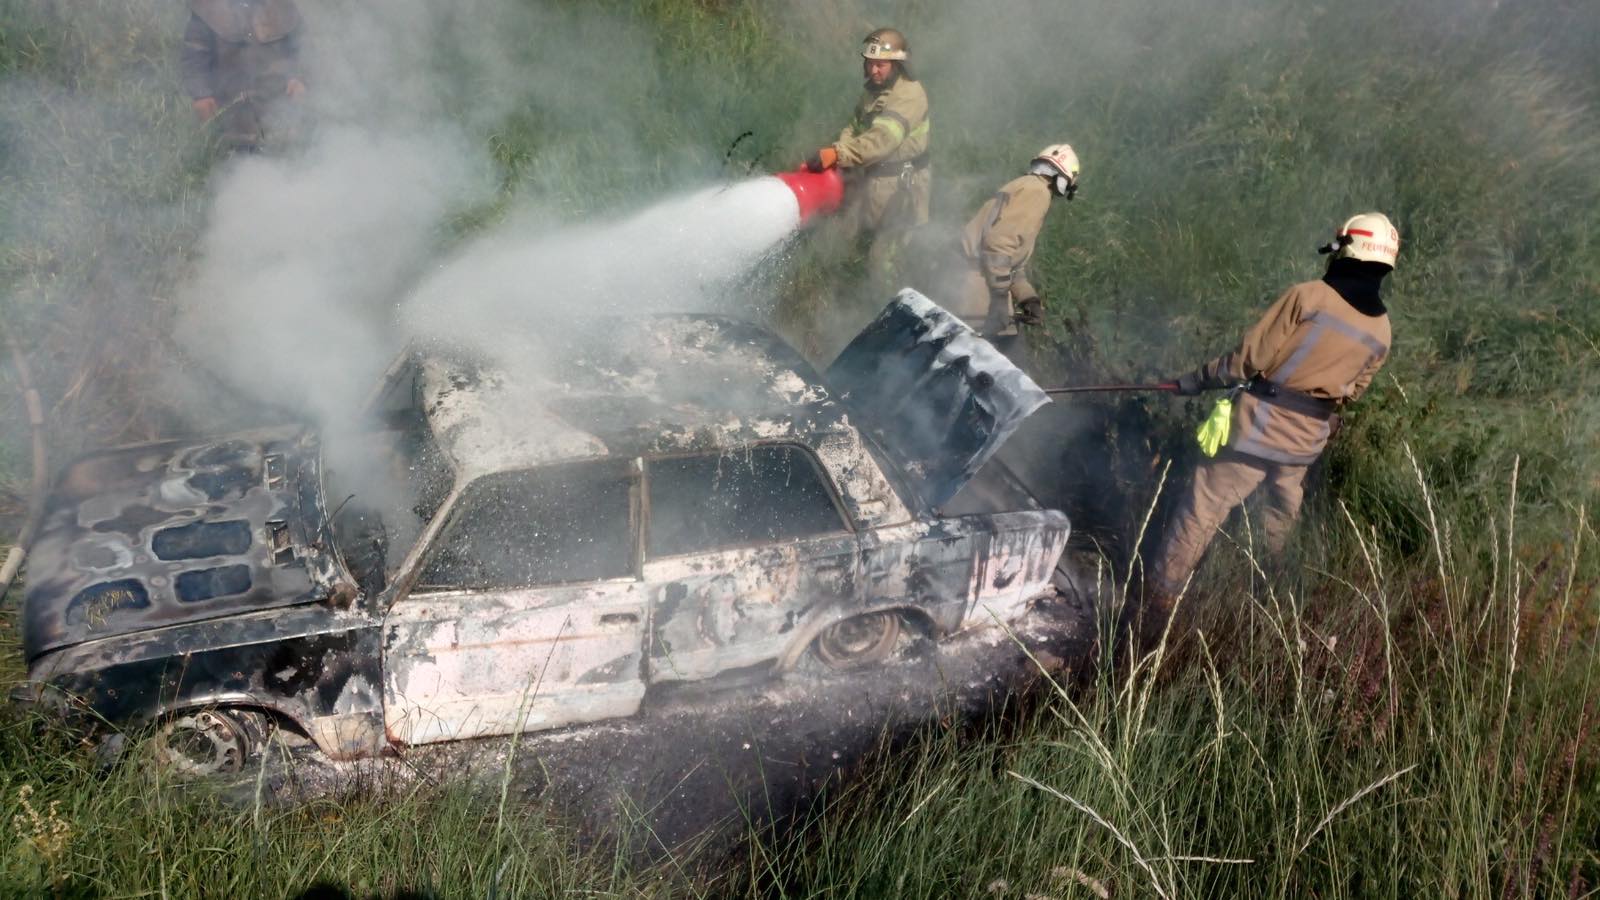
x=204 y=742
x=858 y=641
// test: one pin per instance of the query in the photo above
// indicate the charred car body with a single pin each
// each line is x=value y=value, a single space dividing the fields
x=522 y=547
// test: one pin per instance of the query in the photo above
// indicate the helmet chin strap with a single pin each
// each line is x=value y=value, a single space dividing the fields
x=1064 y=187
x=1343 y=240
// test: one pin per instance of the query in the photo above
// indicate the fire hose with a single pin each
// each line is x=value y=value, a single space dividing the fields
x=30 y=399
x=1168 y=387
x=1214 y=431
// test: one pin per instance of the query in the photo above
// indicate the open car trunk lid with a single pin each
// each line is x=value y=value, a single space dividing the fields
x=937 y=397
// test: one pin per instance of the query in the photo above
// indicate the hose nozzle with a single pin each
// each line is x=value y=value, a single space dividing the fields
x=818 y=193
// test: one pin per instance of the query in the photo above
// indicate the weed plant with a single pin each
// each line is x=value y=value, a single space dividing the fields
x=1404 y=709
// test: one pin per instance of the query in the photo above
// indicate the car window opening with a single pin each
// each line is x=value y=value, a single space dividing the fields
x=763 y=494
x=553 y=525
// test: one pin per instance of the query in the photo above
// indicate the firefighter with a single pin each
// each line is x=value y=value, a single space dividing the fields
x=884 y=151
x=240 y=57
x=995 y=295
x=1315 y=350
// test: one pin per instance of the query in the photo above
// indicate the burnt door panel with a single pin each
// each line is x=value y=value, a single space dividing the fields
x=462 y=665
x=742 y=546
x=717 y=612
x=526 y=612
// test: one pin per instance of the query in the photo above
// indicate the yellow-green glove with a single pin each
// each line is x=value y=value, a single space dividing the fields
x=1213 y=433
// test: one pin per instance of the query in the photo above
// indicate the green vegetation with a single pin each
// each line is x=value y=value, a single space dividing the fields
x=1400 y=733
x=77 y=832
x=1404 y=712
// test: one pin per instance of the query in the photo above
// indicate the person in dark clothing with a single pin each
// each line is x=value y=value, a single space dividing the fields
x=241 y=57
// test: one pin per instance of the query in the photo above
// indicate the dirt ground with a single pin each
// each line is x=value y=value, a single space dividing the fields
x=705 y=766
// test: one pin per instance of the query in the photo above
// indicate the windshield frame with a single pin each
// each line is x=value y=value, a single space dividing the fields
x=394 y=415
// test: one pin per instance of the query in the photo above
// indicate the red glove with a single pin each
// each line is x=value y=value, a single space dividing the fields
x=822 y=160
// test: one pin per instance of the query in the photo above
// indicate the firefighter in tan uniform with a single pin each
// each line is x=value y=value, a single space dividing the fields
x=1316 y=349
x=995 y=294
x=240 y=58
x=884 y=150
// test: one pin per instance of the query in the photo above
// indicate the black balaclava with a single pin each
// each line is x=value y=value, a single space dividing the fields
x=1358 y=281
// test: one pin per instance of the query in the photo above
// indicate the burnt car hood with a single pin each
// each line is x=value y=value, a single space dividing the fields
x=936 y=396
x=162 y=534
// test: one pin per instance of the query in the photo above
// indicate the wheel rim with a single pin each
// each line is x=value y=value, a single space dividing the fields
x=859 y=640
x=202 y=743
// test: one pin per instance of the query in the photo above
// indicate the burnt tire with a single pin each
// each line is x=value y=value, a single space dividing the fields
x=205 y=742
x=857 y=641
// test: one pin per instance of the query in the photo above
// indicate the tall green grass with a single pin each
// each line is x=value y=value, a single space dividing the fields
x=75 y=831
x=1406 y=728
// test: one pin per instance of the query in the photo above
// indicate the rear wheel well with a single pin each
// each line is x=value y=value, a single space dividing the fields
x=918 y=620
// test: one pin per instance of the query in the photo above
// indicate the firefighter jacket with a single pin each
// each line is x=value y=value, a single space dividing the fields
x=886 y=144
x=999 y=240
x=997 y=244
x=1311 y=352
x=240 y=49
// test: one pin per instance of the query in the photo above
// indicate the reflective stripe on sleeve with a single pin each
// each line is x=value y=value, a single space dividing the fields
x=1250 y=441
x=892 y=123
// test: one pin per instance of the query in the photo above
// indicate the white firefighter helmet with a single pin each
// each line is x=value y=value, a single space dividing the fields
x=1059 y=163
x=885 y=43
x=1370 y=237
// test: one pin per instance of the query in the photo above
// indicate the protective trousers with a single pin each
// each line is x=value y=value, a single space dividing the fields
x=1220 y=484
x=890 y=206
x=978 y=307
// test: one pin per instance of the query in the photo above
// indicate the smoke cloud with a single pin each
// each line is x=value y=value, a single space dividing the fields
x=489 y=165
x=303 y=261
x=318 y=267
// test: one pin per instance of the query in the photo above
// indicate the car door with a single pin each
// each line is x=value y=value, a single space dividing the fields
x=741 y=546
x=526 y=611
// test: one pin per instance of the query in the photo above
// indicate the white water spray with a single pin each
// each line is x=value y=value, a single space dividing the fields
x=680 y=255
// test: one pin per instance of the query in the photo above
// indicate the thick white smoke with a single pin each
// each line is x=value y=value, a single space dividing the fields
x=318 y=266
x=303 y=260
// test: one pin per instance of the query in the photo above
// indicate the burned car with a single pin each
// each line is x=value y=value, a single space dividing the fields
x=539 y=543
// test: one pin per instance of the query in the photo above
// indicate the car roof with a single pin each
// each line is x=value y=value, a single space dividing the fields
x=616 y=387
